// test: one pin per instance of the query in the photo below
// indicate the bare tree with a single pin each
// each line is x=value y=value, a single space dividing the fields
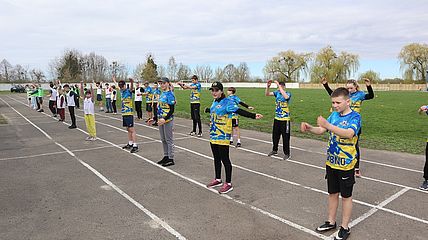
x=219 y=74
x=161 y=71
x=287 y=66
x=172 y=69
x=229 y=73
x=5 y=70
x=242 y=73
x=208 y=73
x=183 y=72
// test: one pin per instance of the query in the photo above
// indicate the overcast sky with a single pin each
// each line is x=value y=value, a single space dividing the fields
x=210 y=32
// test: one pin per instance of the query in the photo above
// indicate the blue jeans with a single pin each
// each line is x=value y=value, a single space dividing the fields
x=109 y=106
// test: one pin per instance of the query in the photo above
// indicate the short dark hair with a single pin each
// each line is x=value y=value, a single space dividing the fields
x=340 y=92
x=66 y=86
x=194 y=77
x=232 y=89
x=282 y=83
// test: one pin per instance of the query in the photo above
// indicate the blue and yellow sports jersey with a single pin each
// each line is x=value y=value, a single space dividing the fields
x=341 y=152
x=195 y=94
x=282 y=112
x=237 y=100
x=221 y=121
x=156 y=93
x=127 y=107
x=166 y=98
x=357 y=99
x=149 y=95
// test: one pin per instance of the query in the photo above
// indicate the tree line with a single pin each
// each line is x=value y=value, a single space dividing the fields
x=289 y=66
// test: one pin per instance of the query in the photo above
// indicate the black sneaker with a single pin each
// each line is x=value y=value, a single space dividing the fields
x=424 y=185
x=326 y=227
x=72 y=126
x=134 y=149
x=128 y=146
x=192 y=133
x=286 y=157
x=343 y=234
x=164 y=159
x=231 y=143
x=199 y=134
x=155 y=124
x=168 y=162
x=238 y=144
x=272 y=153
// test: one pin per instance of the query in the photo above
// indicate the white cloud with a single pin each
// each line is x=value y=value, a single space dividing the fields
x=33 y=32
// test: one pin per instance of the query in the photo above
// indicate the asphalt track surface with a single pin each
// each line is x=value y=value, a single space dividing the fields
x=55 y=185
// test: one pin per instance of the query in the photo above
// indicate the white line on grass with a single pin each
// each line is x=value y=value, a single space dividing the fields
x=104 y=179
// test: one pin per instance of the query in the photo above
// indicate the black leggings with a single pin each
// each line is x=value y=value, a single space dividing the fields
x=72 y=116
x=51 y=106
x=196 y=116
x=114 y=106
x=221 y=155
x=426 y=163
x=281 y=128
x=139 y=109
x=357 y=147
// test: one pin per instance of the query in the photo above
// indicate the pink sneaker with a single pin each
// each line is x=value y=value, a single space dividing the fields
x=225 y=188
x=214 y=183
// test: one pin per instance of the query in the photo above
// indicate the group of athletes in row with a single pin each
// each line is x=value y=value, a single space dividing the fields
x=343 y=125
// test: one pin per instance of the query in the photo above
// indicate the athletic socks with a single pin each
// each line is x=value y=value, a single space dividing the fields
x=130 y=143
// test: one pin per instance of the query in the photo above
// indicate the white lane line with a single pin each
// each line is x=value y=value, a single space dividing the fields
x=104 y=179
x=323 y=153
x=32 y=156
x=377 y=208
x=273 y=216
x=34 y=125
x=53 y=153
x=279 y=179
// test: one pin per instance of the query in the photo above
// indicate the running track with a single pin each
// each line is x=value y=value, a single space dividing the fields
x=55 y=185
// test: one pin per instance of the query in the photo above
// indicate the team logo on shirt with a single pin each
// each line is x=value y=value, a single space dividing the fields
x=344 y=123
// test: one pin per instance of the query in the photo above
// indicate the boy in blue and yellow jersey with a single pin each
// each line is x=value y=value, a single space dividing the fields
x=343 y=125
x=166 y=106
x=357 y=97
x=128 y=114
x=195 y=104
x=148 y=92
x=156 y=94
x=281 y=122
x=235 y=123
x=221 y=112
x=424 y=185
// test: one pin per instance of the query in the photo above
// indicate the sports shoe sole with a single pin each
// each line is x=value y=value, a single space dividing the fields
x=217 y=185
x=168 y=164
x=230 y=189
x=134 y=151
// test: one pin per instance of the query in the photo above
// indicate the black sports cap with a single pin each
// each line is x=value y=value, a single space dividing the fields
x=217 y=85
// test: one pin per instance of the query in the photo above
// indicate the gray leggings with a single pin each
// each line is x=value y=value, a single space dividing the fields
x=166 y=135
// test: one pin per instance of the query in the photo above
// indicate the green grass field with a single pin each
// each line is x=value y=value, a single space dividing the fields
x=390 y=121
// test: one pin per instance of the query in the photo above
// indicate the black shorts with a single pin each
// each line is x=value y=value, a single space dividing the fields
x=99 y=97
x=128 y=121
x=235 y=122
x=149 y=107
x=40 y=100
x=340 y=181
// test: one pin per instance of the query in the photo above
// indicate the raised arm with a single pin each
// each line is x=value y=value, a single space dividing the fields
x=81 y=89
x=369 y=95
x=282 y=91
x=267 y=92
x=92 y=94
x=325 y=84
x=131 y=87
